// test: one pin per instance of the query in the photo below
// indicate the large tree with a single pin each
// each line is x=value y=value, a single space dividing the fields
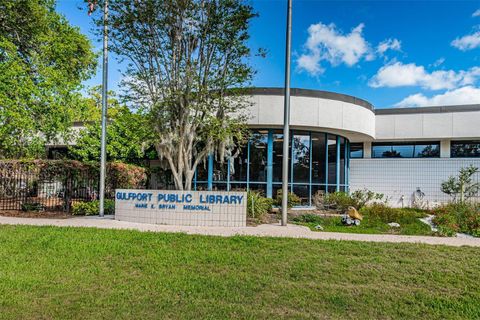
x=184 y=60
x=43 y=60
x=127 y=131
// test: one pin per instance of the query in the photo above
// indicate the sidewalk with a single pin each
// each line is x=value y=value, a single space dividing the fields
x=265 y=230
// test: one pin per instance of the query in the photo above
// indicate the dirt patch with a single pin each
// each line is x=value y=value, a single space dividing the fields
x=35 y=214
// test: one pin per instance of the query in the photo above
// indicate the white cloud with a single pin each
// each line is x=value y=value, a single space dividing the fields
x=464 y=95
x=310 y=63
x=468 y=42
x=438 y=62
x=476 y=13
x=327 y=43
x=402 y=75
x=389 y=44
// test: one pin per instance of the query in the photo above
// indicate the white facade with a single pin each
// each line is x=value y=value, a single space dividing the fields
x=397 y=178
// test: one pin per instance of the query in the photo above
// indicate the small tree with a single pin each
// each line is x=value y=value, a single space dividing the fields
x=462 y=187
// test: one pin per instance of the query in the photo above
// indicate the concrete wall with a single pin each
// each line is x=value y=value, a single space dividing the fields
x=401 y=177
x=312 y=113
x=427 y=126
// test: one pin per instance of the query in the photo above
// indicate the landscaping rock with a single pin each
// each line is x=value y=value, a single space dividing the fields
x=428 y=220
x=354 y=214
x=464 y=235
x=394 y=225
x=318 y=227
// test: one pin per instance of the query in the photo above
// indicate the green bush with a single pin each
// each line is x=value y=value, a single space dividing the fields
x=339 y=201
x=92 y=208
x=308 y=218
x=365 y=196
x=383 y=213
x=32 y=206
x=456 y=217
x=292 y=199
x=119 y=175
x=257 y=205
x=358 y=199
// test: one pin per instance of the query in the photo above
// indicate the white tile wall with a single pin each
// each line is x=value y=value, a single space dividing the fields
x=401 y=177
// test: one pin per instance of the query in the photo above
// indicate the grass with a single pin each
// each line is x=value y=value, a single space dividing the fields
x=409 y=224
x=82 y=273
x=334 y=224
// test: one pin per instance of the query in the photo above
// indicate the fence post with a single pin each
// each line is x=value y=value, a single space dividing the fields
x=67 y=195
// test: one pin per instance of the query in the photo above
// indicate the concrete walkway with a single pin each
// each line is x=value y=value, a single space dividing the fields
x=265 y=230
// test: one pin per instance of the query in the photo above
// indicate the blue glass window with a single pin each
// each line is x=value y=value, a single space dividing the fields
x=317 y=163
x=356 y=150
x=301 y=158
x=332 y=159
x=406 y=150
x=465 y=149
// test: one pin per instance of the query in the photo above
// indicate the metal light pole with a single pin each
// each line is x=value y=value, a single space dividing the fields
x=104 y=108
x=286 y=117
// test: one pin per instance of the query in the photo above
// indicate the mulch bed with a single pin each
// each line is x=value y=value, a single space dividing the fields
x=35 y=214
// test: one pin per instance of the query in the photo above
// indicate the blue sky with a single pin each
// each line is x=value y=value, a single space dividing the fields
x=390 y=53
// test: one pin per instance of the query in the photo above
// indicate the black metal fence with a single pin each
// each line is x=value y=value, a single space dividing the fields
x=50 y=185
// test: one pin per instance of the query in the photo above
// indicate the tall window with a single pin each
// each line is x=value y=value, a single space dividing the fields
x=258 y=156
x=342 y=161
x=278 y=157
x=220 y=170
x=465 y=149
x=406 y=150
x=238 y=165
x=332 y=159
x=301 y=158
x=318 y=158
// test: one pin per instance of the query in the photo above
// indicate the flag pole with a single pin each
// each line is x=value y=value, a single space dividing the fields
x=104 y=109
x=286 y=117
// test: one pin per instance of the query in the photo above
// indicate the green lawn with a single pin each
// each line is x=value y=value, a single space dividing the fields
x=369 y=226
x=77 y=273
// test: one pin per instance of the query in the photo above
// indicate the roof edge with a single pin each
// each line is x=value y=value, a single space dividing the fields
x=275 y=91
x=437 y=109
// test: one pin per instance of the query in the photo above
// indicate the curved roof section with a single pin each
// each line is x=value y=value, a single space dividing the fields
x=312 y=94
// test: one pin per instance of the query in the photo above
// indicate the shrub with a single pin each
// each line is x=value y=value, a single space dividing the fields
x=125 y=176
x=258 y=205
x=383 y=213
x=292 y=199
x=462 y=187
x=92 y=208
x=32 y=206
x=340 y=201
x=458 y=217
x=309 y=218
x=364 y=196
x=119 y=175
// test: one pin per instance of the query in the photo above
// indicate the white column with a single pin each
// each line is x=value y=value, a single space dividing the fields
x=445 y=149
x=367 y=149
